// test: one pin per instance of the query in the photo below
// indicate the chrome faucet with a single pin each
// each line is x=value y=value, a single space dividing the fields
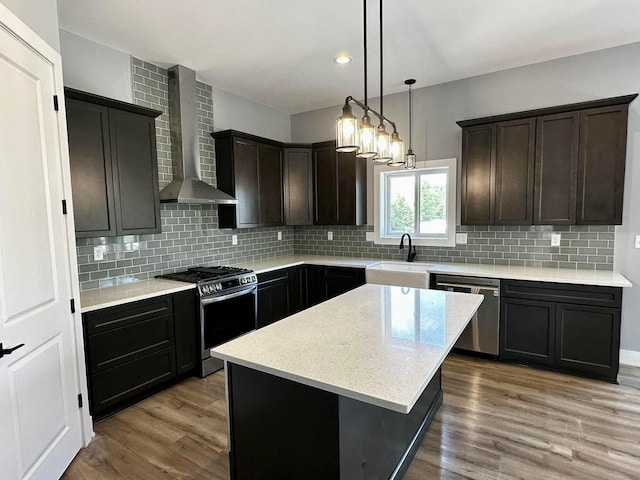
x=412 y=252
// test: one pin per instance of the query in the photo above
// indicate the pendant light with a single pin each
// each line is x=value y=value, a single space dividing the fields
x=410 y=158
x=367 y=130
x=365 y=139
x=384 y=139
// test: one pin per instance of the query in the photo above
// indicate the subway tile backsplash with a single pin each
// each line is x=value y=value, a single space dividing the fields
x=584 y=247
x=190 y=234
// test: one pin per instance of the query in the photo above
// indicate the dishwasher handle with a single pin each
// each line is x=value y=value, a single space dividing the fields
x=462 y=285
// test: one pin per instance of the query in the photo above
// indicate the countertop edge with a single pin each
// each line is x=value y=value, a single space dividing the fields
x=180 y=287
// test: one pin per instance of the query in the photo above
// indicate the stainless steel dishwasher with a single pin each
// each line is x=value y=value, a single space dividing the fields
x=482 y=333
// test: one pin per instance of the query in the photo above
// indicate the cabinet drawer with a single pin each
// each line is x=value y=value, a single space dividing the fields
x=266 y=278
x=563 y=292
x=120 y=345
x=123 y=382
x=123 y=315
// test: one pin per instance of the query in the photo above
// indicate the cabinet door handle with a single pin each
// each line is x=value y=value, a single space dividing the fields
x=9 y=351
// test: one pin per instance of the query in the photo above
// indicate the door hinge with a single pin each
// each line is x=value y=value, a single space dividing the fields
x=80 y=400
x=73 y=306
x=55 y=103
x=64 y=207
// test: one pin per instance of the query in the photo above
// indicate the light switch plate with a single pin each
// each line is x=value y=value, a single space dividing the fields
x=461 y=238
x=370 y=236
x=637 y=241
x=555 y=239
x=234 y=239
x=98 y=253
x=329 y=235
x=279 y=235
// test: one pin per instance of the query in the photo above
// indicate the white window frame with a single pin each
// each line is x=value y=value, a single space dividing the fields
x=380 y=204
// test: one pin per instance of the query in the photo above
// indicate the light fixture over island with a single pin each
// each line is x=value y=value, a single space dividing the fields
x=344 y=390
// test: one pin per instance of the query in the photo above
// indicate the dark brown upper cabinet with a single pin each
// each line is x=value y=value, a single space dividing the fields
x=298 y=186
x=555 y=166
x=250 y=169
x=515 y=146
x=114 y=169
x=603 y=145
x=556 y=169
x=478 y=174
x=340 y=186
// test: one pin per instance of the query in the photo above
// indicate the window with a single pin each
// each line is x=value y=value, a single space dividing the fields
x=421 y=202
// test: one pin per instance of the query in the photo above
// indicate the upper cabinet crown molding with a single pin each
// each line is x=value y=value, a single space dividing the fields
x=555 y=166
x=605 y=102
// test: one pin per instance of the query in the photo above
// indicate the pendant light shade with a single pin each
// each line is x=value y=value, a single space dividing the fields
x=410 y=158
x=368 y=138
x=396 y=151
x=347 y=131
x=383 y=142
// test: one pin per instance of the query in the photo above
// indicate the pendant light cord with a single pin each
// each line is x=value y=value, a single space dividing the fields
x=381 y=107
x=365 y=54
x=410 y=117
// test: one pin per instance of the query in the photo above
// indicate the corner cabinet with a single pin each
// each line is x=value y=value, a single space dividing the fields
x=568 y=328
x=114 y=169
x=555 y=166
x=250 y=169
x=340 y=186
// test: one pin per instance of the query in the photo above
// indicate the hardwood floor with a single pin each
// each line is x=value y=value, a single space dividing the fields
x=497 y=422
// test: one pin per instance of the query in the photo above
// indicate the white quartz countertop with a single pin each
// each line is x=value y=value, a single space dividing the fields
x=377 y=344
x=270 y=264
x=110 y=296
x=129 y=292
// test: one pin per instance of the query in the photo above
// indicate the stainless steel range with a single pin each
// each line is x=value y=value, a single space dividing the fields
x=228 y=307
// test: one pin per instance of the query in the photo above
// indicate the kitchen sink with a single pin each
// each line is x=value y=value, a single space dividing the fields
x=402 y=274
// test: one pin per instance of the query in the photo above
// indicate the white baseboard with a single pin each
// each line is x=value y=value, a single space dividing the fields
x=630 y=357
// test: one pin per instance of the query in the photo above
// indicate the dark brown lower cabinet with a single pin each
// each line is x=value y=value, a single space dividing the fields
x=273 y=297
x=136 y=348
x=569 y=328
x=287 y=291
x=527 y=330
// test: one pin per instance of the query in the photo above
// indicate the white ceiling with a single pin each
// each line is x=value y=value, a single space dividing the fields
x=279 y=52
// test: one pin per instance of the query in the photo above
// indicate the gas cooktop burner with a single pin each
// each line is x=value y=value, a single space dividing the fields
x=206 y=274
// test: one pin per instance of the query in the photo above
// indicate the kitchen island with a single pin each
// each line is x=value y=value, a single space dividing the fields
x=343 y=390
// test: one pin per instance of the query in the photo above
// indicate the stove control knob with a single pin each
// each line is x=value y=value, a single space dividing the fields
x=218 y=287
x=243 y=281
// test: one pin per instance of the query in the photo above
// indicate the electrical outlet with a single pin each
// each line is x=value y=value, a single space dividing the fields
x=370 y=236
x=329 y=235
x=461 y=238
x=555 y=239
x=99 y=252
x=234 y=239
x=279 y=235
x=637 y=241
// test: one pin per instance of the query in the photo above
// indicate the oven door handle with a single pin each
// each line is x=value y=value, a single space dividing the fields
x=244 y=291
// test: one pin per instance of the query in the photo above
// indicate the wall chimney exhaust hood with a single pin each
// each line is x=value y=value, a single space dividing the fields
x=187 y=186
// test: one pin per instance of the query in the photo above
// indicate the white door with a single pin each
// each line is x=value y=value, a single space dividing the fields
x=40 y=421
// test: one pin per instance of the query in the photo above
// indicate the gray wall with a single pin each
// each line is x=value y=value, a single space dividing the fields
x=238 y=113
x=99 y=69
x=601 y=74
x=95 y=68
x=40 y=15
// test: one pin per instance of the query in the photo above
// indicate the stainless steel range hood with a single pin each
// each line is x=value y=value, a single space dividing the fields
x=187 y=186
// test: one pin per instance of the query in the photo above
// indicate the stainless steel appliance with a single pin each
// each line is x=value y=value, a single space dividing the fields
x=228 y=307
x=482 y=334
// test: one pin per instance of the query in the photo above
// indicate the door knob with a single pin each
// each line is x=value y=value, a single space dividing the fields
x=9 y=351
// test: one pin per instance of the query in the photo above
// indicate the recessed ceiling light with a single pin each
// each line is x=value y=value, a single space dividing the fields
x=342 y=59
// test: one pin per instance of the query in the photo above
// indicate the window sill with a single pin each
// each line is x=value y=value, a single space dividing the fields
x=420 y=242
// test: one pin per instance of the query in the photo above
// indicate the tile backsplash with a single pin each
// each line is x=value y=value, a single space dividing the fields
x=584 y=247
x=190 y=234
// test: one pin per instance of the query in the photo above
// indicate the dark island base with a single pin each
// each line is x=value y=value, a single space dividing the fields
x=285 y=430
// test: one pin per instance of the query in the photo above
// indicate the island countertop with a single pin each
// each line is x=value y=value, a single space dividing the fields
x=377 y=344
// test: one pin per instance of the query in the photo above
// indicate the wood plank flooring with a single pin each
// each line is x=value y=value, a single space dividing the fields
x=497 y=422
